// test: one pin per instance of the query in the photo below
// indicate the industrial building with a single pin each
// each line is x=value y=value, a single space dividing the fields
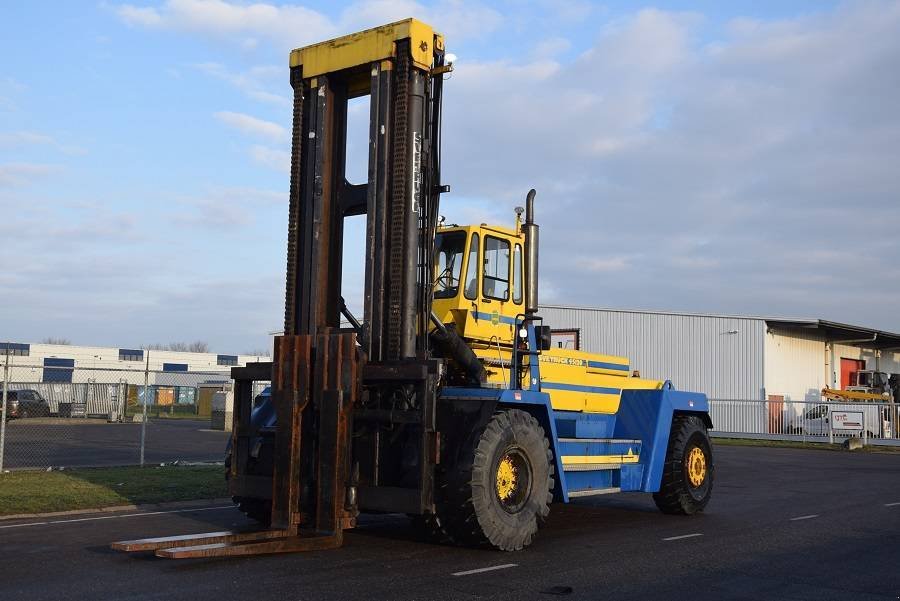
x=91 y=380
x=729 y=356
x=77 y=364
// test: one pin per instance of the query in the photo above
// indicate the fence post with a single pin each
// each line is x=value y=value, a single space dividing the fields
x=146 y=396
x=3 y=409
x=122 y=395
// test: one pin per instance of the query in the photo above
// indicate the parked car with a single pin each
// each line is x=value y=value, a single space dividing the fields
x=26 y=403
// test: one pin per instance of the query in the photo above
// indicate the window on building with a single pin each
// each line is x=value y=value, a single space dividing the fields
x=495 y=280
x=126 y=354
x=57 y=369
x=15 y=348
x=175 y=367
x=568 y=339
x=472 y=269
x=226 y=360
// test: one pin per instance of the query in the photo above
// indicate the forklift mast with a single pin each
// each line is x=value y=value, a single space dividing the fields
x=393 y=66
x=352 y=403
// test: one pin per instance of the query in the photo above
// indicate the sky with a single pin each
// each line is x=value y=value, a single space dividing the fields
x=726 y=157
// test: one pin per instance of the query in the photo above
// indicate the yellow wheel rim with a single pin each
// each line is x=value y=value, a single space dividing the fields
x=506 y=478
x=696 y=466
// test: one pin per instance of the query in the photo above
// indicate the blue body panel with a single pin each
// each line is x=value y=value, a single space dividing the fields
x=573 y=424
x=647 y=415
x=644 y=416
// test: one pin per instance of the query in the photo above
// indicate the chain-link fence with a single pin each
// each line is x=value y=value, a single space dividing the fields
x=86 y=417
x=806 y=421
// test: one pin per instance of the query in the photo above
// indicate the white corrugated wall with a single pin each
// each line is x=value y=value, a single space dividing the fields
x=796 y=365
x=720 y=356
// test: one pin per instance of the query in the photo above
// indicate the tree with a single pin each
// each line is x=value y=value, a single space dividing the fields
x=53 y=340
x=197 y=346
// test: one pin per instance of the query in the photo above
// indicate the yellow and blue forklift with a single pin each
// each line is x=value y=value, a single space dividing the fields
x=445 y=401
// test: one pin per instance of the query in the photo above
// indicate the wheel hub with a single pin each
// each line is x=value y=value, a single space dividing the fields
x=696 y=466
x=507 y=475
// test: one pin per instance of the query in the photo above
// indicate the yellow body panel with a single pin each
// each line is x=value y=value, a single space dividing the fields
x=368 y=46
x=599 y=459
x=580 y=381
x=480 y=318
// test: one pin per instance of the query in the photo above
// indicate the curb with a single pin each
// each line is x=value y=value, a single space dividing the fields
x=112 y=509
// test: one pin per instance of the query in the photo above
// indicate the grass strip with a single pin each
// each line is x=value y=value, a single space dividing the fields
x=793 y=444
x=90 y=488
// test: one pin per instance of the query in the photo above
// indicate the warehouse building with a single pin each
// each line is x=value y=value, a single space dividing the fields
x=78 y=364
x=101 y=381
x=727 y=356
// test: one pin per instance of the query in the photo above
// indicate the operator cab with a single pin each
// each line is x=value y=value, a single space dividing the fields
x=479 y=280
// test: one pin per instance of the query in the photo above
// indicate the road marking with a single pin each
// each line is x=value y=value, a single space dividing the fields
x=683 y=536
x=892 y=504
x=805 y=517
x=113 y=517
x=490 y=569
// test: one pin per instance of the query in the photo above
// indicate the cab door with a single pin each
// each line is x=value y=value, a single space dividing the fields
x=496 y=282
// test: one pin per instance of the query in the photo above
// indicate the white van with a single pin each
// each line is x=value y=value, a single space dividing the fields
x=815 y=422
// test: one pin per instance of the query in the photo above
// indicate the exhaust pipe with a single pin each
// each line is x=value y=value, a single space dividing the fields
x=531 y=256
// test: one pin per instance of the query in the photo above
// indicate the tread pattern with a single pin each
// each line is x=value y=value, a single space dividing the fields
x=468 y=513
x=674 y=497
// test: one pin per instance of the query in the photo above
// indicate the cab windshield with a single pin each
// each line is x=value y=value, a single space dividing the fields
x=448 y=259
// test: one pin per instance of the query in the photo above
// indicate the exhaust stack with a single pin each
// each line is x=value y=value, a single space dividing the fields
x=531 y=256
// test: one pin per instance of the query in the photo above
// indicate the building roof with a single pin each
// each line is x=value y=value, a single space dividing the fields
x=832 y=331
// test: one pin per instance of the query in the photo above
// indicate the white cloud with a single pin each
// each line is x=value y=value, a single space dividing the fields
x=225 y=208
x=17 y=174
x=777 y=142
x=273 y=158
x=252 y=125
x=17 y=139
x=135 y=15
x=604 y=264
x=250 y=82
x=551 y=47
x=292 y=25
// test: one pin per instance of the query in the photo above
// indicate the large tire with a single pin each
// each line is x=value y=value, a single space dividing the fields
x=499 y=491
x=255 y=509
x=689 y=472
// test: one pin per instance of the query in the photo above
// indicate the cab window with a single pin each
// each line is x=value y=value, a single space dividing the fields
x=471 y=289
x=495 y=281
x=449 y=249
x=517 y=274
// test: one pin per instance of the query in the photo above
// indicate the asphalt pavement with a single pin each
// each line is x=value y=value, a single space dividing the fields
x=783 y=524
x=53 y=442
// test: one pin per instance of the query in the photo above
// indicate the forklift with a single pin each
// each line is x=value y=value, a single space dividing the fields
x=445 y=402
